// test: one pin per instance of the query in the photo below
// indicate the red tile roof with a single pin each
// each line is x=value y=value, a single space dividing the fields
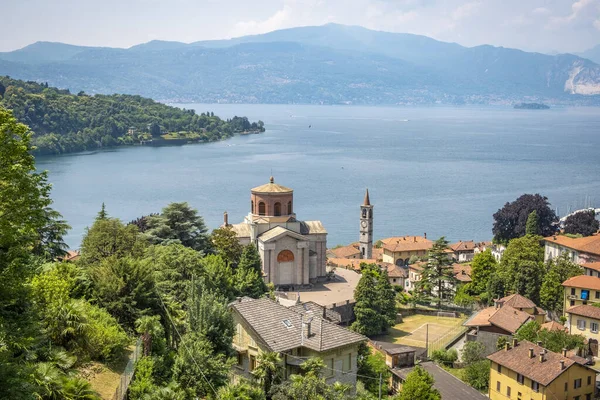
x=585 y=311
x=463 y=246
x=345 y=251
x=517 y=301
x=462 y=272
x=583 y=282
x=553 y=326
x=406 y=243
x=506 y=317
x=589 y=244
x=593 y=265
x=518 y=360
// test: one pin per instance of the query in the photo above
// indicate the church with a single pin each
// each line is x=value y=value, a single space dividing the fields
x=293 y=252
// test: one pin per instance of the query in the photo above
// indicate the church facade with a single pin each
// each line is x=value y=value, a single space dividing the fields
x=293 y=252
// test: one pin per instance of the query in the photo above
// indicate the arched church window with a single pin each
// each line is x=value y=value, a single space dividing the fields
x=252 y=206
x=285 y=256
x=289 y=207
x=364 y=213
x=277 y=208
x=371 y=213
x=262 y=209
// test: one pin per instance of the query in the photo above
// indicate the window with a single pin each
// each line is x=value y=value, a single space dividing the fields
x=597 y=294
x=240 y=359
x=576 y=397
x=581 y=324
x=262 y=209
x=252 y=365
x=566 y=386
x=589 y=380
x=289 y=207
x=577 y=383
x=520 y=378
x=287 y=323
x=585 y=294
x=347 y=363
x=588 y=396
x=519 y=396
x=535 y=386
x=277 y=208
x=594 y=327
x=329 y=368
x=364 y=213
x=508 y=391
x=499 y=369
x=252 y=206
x=363 y=251
x=572 y=302
x=498 y=386
x=572 y=291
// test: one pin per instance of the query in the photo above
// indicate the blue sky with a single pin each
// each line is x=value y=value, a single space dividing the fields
x=532 y=25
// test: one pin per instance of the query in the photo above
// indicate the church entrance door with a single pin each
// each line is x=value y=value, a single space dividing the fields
x=286 y=270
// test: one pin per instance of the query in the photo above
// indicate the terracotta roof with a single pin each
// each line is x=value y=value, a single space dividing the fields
x=280 y=328
x=418 y=266
x=395 y=271
x=594 y=265
x=585 y=311
x=589 y=244
x=406 y=243
x=377 y=253
x=553 y=326
x=354 y=263
x=517 y=359
x=271 y=187
x=507 y=318
x=72 y=255
x=463 y=246
x=517 y=301
x=462 y=272
x=583 y=282
x=345 y=251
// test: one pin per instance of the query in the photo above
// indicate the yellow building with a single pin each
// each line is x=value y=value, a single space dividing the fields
x=297 y=333
x=581 y=290
x=525 y=371
x=399 y=250
x=585 y=320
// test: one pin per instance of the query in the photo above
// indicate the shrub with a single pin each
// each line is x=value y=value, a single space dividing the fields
x=445 y=357
x=477 y=375
x=105 y=338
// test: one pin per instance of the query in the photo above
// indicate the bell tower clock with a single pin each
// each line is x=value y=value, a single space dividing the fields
x=366 y=228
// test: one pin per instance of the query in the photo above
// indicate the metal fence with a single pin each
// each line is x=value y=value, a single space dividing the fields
x=127 y=375
x=447 y=340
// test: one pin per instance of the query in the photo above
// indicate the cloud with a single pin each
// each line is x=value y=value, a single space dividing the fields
x=466 y=10
x=576 y=10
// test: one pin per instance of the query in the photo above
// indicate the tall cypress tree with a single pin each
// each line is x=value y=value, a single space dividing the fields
x=533 y=224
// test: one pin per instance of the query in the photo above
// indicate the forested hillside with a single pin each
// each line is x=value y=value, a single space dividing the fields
x=63 y=122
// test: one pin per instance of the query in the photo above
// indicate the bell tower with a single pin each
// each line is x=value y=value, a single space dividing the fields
x=366 y=228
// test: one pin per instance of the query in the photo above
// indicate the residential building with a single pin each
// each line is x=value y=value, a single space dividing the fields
x=581 y=290
x=351 y=252
x=580 y=250
x=585 y=320
x=262 y=325
x=591 y=269
x=415 y=272
x=463 y=251
x=553 y=326
x=399 y=250
x=397 y=356
x=525 y=370
x=337 y=313
x=498 y=251
x=293 y=252
x=396 y=275
x=462 y=272
x=503 y=319
x=448 y=385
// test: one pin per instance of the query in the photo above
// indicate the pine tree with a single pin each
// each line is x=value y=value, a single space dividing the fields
x=375 y=308
x=102 y=214
x=248 y=279
x=482 y=267
x=522 y=267
x=533 y=224
x=438 y=274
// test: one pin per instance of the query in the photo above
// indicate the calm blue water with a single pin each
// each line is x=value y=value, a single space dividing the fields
x=443 y=171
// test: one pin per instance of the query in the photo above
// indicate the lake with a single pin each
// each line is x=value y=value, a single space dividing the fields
x=440 y=170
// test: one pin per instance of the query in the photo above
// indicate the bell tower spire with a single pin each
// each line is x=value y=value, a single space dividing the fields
x=366 y=228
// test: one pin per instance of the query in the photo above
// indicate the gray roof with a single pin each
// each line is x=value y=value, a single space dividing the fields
x=311 y=308
x=266 y=318
x=274 y=233
x=241 y=230
x=449 y=386
x=312 y=227
x=395 y=348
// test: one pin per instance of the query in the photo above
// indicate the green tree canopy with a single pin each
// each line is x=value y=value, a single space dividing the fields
x=110 y=238
x=551 y=293
x=375 y=307
x=227 y=245
x=482 y=267
x=419 y=385
x=533 y=224
x=438 y=275
x=522 y=267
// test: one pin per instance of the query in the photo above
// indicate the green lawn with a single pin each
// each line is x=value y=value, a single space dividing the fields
x=413 y=331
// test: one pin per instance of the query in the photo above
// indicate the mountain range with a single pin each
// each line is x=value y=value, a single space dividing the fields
x=331 y=64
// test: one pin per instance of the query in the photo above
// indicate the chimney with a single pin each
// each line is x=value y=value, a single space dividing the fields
x=562 y=364
x=554 y=237
x=239 y=299
x=514 y=342
x=225 y=219
x=564 y=352
x=542 y=353
x=425 y=235
x=531 y=352
x=415 y=239
x=507 y=347
x=539 y=343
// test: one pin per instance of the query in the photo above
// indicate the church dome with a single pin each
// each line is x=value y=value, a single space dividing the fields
x=271 y=187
